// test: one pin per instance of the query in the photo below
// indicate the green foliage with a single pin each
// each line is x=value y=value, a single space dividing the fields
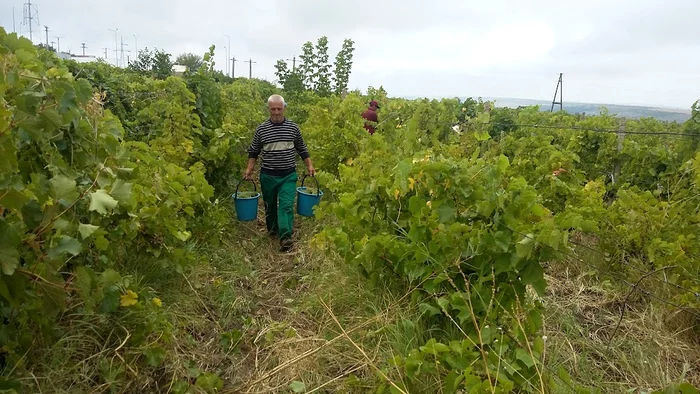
x=343 y=67
x=156 y=64
x=314 y=71
x=191 y=60
x=469 y=234
x=78 y=202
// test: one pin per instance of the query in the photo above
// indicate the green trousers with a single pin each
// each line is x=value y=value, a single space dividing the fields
x=279 y=219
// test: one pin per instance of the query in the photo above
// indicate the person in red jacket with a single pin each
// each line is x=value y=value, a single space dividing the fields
x=370 y=116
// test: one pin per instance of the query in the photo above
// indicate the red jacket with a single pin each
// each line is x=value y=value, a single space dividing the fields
x=371 y=115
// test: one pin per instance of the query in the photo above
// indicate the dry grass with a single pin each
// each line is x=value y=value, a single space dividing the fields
x=649 y=350
x=316 y=352
x=308 y=317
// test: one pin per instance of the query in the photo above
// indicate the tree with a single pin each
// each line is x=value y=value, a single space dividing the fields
x=162 y=65
x=191 y=60
x=322 y=74
x=156 y=64
x=143 y=62
x=306 y=68
x=343 y=65
x=314 y=71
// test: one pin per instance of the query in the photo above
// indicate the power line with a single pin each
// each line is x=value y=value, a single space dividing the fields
x=581 y=128
x=639 y=270
x=294 y=63
x=622 y=280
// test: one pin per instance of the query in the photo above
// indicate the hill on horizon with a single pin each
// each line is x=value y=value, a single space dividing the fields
x=629 y=111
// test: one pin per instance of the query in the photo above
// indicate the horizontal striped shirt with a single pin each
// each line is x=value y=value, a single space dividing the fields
x=279 y=143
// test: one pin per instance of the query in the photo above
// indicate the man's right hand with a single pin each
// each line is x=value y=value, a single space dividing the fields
x=248 y=174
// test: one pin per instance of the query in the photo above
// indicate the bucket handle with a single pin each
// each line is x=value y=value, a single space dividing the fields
x=318 y=190
x=255 y=188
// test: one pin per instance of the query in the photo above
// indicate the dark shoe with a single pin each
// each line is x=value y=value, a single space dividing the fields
x=273 y=234
x=286 y=244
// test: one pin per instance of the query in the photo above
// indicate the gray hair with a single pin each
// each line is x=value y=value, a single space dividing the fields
x=276 y=98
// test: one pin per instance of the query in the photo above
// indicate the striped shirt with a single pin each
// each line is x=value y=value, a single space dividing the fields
x=278 y=143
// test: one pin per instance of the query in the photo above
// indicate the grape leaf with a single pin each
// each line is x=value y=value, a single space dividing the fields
x=8 y=156
x=128 y=299
x=9 y=258
x=121 y=190
x=503 y=163
x=155 y=355
x=86 y=230
x=13 y=199
x=297 y=386
x=533 y=274
x=66 y=245
x=101 y=201
x=63 y=188
x=110 y=302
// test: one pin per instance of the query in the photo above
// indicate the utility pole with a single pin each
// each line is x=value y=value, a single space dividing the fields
x=47 y=36
x=618 y=159
x=58 y=41
x=122 y=49
x=560 y=84
x=233 y=67
x=14 y=27
x=116 y=49
x=226 y=62
x=105 y=53
x=228 y=52
x=250 y=69
x=294 y=63
x=84 y=47
x=29 y=16
x=136 y=45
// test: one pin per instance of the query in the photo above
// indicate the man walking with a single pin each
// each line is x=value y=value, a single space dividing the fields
x=279 y=140
x=370 y=116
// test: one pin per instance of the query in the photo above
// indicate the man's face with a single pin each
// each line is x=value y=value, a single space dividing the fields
x=276 y=111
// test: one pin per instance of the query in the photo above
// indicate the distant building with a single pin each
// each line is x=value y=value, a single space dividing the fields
x=179 y=69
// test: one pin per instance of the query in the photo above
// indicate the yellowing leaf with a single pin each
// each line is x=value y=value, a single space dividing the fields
x=128 y=299
x=157 y=302
x=396 y=194
x=411 y=183
x=189 y=146
x=429 y=204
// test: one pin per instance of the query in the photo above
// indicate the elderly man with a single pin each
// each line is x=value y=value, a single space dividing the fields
x=279 y=140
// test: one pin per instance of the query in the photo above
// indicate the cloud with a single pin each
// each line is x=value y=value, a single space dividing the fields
x=613 y=52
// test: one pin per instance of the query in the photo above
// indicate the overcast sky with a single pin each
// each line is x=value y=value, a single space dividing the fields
x=611 y=51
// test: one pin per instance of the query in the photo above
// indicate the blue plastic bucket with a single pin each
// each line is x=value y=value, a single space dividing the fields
x=246 y=207
x=306 y=201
